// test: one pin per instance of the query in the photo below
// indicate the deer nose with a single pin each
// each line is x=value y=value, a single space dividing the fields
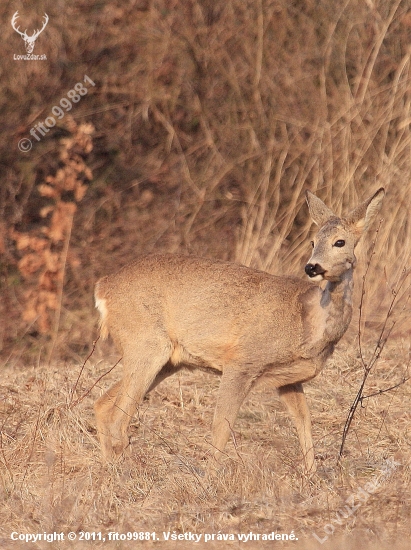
x=314 y=269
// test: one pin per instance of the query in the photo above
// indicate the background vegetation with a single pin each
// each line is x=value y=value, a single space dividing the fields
x=207 y=121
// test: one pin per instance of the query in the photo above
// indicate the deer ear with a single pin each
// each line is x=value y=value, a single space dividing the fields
x=319 y=213
x=362 y=216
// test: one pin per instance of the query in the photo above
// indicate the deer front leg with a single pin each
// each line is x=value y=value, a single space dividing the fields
x=234 y=387
x=294 y=398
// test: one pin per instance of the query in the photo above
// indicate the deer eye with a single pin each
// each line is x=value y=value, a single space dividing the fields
x=340 y=243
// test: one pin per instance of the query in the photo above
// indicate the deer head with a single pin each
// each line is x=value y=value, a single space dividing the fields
x=29 y=41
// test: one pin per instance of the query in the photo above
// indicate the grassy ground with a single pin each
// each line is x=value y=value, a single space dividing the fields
x=210 y=119
x=53 y=478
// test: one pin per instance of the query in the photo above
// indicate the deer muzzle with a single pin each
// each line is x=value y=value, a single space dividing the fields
x=314 y=270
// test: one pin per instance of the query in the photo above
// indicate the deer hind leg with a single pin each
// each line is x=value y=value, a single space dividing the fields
x=294 y=398
x=116 y=407
x=234 y=388
x=168 y=370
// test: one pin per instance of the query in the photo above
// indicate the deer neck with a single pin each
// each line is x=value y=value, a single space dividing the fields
x=336 y=303
x=326 y=315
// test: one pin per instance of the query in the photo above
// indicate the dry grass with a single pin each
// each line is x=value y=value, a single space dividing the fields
x=53 y=479
x=211 y=119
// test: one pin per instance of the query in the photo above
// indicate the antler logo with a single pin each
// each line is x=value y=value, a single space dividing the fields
x=29 y=41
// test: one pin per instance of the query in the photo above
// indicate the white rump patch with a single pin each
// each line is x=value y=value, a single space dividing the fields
x=101 y=306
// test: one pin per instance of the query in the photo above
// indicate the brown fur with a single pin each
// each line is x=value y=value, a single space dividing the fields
x=164 y=311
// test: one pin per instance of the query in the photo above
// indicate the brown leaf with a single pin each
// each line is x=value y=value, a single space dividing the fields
x=30 y=263
x=61 y=220
x=47 y=190
x=45 y=211
x=80 y=192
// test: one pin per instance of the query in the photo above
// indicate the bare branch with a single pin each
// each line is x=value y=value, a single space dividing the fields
x=379 y=347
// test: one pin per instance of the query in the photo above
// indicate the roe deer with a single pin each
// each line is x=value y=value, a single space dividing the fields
x=168 y=311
